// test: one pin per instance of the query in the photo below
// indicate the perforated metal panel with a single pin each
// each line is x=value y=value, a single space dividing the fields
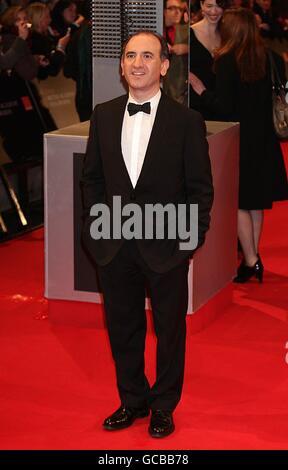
x=106 y=29
x=112 y=22
x=138 y=15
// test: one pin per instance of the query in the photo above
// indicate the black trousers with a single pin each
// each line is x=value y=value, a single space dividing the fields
x=123 y=283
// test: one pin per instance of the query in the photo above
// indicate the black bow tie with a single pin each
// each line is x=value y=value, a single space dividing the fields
x=134 y=108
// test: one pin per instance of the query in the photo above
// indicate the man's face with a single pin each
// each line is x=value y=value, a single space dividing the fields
x=265 y=4
x=173 y=12
x=142 y=66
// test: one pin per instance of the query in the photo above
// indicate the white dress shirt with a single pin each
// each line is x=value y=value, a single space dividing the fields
x=136 y=132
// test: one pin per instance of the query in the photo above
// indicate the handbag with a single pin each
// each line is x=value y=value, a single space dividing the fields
x=279 y=103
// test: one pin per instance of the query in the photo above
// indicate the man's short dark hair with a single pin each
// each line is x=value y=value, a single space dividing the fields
x=164 y=52
x=166 y=1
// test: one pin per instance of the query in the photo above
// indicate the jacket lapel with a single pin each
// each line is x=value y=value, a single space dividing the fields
x=156 y=139
x=116 y=133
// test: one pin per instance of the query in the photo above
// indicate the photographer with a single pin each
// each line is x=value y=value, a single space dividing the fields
x=13 y=41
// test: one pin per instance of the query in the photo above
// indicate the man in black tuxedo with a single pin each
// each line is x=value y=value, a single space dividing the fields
x=147 y=149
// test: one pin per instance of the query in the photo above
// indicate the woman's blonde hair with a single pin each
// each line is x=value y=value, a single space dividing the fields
x=35 y=12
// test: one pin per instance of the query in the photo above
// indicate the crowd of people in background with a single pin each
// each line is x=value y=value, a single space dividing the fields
x=179 y=23
x=43 y=37
x=60 y=38
x=38 y=40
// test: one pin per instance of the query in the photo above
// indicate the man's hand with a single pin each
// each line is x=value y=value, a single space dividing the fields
x=79 y=20
x=62 y=42
x=264 y=26
x=179 y=49
x=261 y=25
x=41 y=60
x=196 y=84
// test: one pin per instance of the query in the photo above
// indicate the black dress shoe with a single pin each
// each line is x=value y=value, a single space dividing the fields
x=161 y=424
x=244 y=272
x=124 y=417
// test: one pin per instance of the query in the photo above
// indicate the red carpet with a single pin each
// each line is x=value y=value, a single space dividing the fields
x=284 y=146
x=57 y=382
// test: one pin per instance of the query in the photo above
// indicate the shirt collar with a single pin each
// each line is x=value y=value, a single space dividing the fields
x=154 y=101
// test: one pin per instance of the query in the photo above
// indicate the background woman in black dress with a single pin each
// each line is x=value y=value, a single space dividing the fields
x=243 y=93
x=204 y=42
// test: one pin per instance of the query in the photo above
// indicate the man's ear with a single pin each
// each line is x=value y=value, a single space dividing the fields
x=164 y=67
x=122 y=67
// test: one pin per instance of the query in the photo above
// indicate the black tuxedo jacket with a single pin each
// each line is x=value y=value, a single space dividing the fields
x=176 y=169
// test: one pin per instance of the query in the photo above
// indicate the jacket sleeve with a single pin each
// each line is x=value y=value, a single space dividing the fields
x=18 y=49
x=25 y=64
x=198 y=177
x=92 y=180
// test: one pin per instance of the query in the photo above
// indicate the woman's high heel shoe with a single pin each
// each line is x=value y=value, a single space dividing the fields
x=244 y=272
